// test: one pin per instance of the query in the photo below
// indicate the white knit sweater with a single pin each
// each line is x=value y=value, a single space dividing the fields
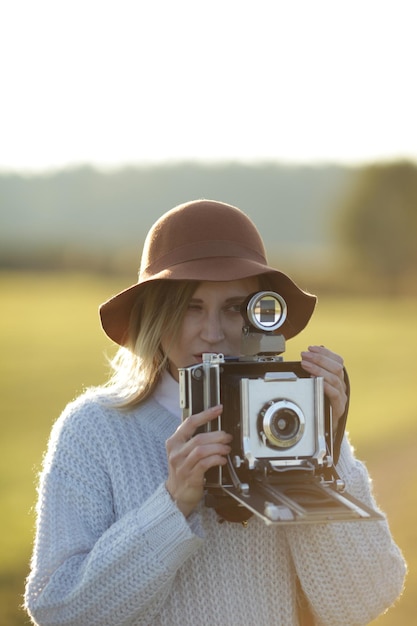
x=113 y=549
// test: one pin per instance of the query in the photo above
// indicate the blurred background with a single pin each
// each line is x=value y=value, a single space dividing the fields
x=302 y=114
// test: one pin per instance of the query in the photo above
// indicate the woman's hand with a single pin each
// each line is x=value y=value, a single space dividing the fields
x=190 y=456
x=319 y=361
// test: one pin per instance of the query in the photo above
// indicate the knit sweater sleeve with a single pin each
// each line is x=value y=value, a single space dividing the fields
x=91 y=566
x=350 y=572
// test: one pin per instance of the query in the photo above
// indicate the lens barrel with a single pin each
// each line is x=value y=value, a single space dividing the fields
x=282 y=423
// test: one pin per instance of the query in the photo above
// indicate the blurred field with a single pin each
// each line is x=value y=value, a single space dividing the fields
x=52 y=347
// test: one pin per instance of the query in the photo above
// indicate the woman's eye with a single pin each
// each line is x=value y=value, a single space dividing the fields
x=234 y=308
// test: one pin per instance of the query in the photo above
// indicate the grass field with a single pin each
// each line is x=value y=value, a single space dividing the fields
x=52 y=347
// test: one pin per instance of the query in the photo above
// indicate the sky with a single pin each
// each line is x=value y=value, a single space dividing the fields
x=117 y=82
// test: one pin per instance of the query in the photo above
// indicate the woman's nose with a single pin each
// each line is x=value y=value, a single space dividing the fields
x=212 y=329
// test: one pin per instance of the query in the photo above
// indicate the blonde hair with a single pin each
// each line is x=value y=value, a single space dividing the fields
x=158 y=312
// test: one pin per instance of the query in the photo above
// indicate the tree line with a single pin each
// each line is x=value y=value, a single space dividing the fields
x=85 y=218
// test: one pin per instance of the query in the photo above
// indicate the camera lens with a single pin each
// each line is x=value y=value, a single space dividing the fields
x=282 y=423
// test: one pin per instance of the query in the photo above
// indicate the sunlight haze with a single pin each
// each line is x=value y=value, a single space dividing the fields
x=113 y=83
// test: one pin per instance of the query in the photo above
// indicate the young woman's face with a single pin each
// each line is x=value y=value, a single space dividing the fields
x=212 y=323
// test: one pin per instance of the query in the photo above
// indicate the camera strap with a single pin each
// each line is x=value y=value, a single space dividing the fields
x=341 y=425
x=305 y=615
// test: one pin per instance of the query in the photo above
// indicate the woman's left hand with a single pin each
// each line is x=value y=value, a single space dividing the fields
x=319 y=361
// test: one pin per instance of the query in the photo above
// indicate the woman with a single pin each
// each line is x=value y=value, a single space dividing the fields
x=123 y=535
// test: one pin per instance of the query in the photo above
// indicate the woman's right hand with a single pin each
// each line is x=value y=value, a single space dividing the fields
x=190 y=455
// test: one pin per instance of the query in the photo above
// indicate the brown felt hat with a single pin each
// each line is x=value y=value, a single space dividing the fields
x=205 y=240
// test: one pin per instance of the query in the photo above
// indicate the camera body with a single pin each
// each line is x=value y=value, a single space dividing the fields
x=276 y=413
x=281 y=463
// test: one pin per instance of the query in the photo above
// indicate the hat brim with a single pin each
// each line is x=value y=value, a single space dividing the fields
x=115 y=313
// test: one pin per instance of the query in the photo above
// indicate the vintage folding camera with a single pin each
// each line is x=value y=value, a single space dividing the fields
x=281 y=465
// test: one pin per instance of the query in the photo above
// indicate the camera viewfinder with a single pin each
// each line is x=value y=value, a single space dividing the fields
x=265 y=311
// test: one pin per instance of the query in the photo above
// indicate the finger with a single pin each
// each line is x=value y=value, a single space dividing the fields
x=199 y=446
x=320 y=362
x=215 y=436
x=337 y=400
x=186 y=476
x=322 y=351
x=183 y=441
x=332 y=374
x=188 y=470
x=192 y=423
x=202 y=457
